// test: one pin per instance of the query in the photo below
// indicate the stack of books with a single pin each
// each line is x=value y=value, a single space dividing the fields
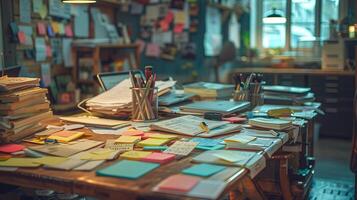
x=285 y=95
x=23 y=105
x=270 y=123
x=211 y=91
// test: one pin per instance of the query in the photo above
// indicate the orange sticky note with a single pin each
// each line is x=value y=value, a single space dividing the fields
x=161 y=158
x=133 y=132
x=41 y=28
x=11 y=148
x=164 y=25
x=55 y=27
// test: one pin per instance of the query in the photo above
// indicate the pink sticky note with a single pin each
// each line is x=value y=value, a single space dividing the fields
x=152 y=50
x=48 y=51
x=41 y=28
x=69 y=31
x=169 y=17
x=179 y=28
x=179 y=182
x=133 y=132
x=164 y=25
x=22 y=37
x=11 y=148
x=161 y=158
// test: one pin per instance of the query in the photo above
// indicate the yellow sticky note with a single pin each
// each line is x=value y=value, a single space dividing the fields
x=153 y=142
x=35 y=141
x=162 y=136
x=55 y=27
x=50 y=160
x=66 y=136
x=102 y=151
x=135 y=155
x=240 y=138
x=100 y=154
x=126 y=139
x=180 y=17
x=20 y=162
x=43 y=11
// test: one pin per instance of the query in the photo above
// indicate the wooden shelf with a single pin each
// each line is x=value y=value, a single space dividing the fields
x=270 y=70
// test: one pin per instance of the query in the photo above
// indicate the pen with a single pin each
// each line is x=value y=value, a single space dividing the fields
x=148 y=72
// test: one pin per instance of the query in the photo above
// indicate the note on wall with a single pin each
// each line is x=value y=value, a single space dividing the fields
x=40 y=46
x=66 y=52
x=152 y=50
x=81 y=21
x=56 y=45
x=234 y=31
x=46 y=74
x=213 y=35
x=59 y=9
x=27 y=33
x=25 y=11
x=37 y=5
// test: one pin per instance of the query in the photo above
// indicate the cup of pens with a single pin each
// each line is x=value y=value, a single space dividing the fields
x=145 y=104
x=249 y=89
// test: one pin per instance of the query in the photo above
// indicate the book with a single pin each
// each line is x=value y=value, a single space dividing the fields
x=25 y=103
x=22 y=95
x=282 y=99
x=25 y=110
x=96 y=121
x=15 y=135
x=8 y=84
x=223 y=107
x=270 y=123
x=210 y=90
x=16 y=124
x=190 y=125
x=127 y=169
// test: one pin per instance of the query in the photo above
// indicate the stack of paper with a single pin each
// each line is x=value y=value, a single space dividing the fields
x=209 y=90
x=23 y=105
x=97 y=122
x=270 y=123
x=118 y=100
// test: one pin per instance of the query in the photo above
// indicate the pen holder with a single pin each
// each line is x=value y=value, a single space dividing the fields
x=242 y=95
x=256 y=99
x=145 y=104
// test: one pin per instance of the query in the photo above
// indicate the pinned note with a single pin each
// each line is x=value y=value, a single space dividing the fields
x=68 y=30
x=203 y=170
x=22 y=37
x=152 y=50
x=181 y=148
x=128 y=169
x=180 y=17
x=126 y=139
x=164 y=25
x=179 y=28
x=25 y=11
x=135 y=155
x=48 y=51
x=61 y=29
x=50 y=31
x=41 y=28
x=46 y=74
x=55 y=27
x=11 y=148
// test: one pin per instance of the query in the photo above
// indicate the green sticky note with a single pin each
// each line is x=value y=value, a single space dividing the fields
x=217 y=147
x=128 y=169
x=203 y=170
x=153 y=148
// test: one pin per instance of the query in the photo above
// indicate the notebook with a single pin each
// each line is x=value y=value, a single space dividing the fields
x=204 y=170
x=66 y=136
x=270 y=123
x=223 y=107
x=161 y=158
x=128 y=169
x=178 y=183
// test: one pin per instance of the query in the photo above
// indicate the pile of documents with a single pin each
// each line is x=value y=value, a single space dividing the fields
x=270 y=123
x=23 y=105
x=118 y=100
x=210 y=91
x=285 y=95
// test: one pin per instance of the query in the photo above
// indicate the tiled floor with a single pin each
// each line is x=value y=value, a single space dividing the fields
x=333 y=177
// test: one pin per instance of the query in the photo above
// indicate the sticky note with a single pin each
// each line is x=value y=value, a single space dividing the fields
x=159 y=158
x=155 y=148
x=178 y=183
x=152 y=142
x=146 y=135
x=112 y=145
x=135 y=155
x=162 y=136
x=217 y=147
x=206 y=141
x=11 y=148
x=152 y=50
x=128 y=139
x=203 y=170
x=22 y=37
x=50 y=31
x=208 y=189
x=169 y=17
x=133 y=132
x=230 y=156
x=181 y=148
x=19 y=162
x=68 y=30
x=41 y=28
x=100 y=154
x=50 y=160
x=48 y=51
x=164 y=25
x=128 y=169
x=179 y=28
x=66 y=136
x=55 y=27
x=180 y=17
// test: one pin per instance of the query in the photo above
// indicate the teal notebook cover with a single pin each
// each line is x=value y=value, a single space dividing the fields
x=203 y=170
x=128 y=169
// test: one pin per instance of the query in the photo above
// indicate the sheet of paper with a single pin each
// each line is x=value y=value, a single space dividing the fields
x=67 y=164
x=152 y=12
x=152 y=50
x=40 y=49
x=46 y=74
x=20 y=162
x=230 y=156
x=43 y=12
x=108 y=131
x=25 y=11
x=111 y=144
x=240 y=138
x=68 y=30
x=206 y=141
x=67 y=52
x=152 y=142
x=50 y=160
x=128 y=139
x=37 y=6
x=213 y=35
x=59 y=9
x=180 y=17
x=81 y=22
x=181 y=148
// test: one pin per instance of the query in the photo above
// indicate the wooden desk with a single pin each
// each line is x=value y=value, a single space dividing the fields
x=88 y=184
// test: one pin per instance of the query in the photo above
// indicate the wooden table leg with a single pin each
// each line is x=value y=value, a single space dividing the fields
x=284 y=179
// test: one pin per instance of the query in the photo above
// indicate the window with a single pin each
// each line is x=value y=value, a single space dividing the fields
x=301 y=28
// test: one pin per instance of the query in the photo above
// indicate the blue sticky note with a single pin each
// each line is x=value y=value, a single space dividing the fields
x=128 y=169
x=155 y=148
x=203 y=170
x=206 y=141
x=217 y=147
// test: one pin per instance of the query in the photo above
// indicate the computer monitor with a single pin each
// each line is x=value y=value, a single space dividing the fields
x=108 y=80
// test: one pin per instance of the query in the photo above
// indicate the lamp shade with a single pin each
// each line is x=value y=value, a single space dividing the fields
x=79 y=1
x=274 y=18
